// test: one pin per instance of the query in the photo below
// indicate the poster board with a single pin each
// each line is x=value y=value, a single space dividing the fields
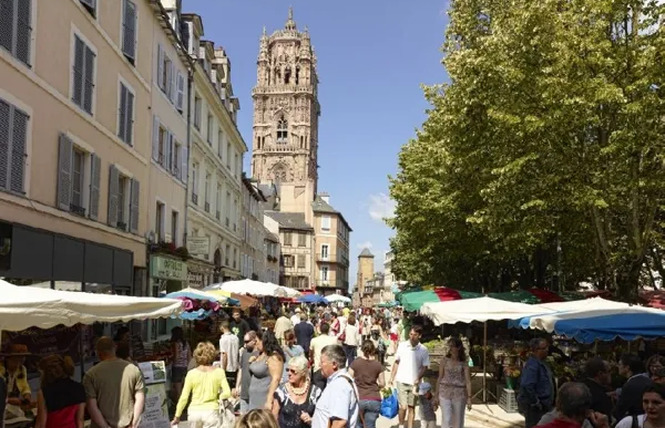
x=155 y=413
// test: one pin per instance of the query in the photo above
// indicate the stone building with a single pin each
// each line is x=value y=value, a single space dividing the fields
x=253 y=253
x=285 y=154
x=363 y=295
x=332 y=247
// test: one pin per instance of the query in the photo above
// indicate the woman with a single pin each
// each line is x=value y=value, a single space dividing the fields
x=61 y=401
x=653 y=401
x=206 y=385
x=295 y=401
x=369 y=377
x=291 y=349
x=257 y=418
x=454 y=385
x=350 y=339
x=181 y=356
x=266 y=371
x=16 y=375
x=378 y=338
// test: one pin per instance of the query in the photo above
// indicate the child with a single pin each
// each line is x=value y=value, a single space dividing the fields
x=427 y=408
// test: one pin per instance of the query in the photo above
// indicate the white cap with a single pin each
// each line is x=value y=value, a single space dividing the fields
x=298 y=310
x=423 y=388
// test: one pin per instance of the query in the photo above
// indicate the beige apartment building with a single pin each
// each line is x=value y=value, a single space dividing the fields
x=297 y=243
x=253 y=262
x=215 y=237
x=76 y=197
x=331 y=247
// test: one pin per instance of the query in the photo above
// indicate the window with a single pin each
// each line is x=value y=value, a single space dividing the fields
x=91 y=6
x=301 y=261
x=324 y=273
x=77 y=179
x=126 y=114
x=197 y=113
x=129 y=30
x=282 y=131
x=83 y=75
x=228 y=209
x=176 y=155
x=159 y=221
x=180 y=96
x=226 y=255
x=228 y=155
x=235 y=258
x=218 y=201
x=302 y=239
x=13 y=138
x=174 y=227
x=123 y=206
x=206 y=193
x=220 y=142
x=195 y=183
x=325 y=223
x=288 y=261
x=288 y=237
x=237 y=166
x=209 y=133
x=163 y=144
x=325 y=252
x=165 y=74
x=15 y=28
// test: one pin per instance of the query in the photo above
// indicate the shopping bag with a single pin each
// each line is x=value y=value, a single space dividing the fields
x=390 y=406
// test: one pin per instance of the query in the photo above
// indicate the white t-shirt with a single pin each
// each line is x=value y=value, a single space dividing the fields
x=317 y=344
x=627 y=422
x=229 y=345
x=411 y=361
x=295 y=319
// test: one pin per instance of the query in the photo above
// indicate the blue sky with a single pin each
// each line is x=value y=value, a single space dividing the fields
x=373 y=55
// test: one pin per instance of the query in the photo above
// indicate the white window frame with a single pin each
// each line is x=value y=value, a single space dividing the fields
x=127 y=193
x=75 y=32
x=327 y=252
x=326 y=219
x=130 y=88
x=324 y=273
x=160 y=229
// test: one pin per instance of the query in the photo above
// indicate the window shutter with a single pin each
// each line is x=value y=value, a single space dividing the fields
x=4 y=142
x=183 y=169
x=23 y=31
x=114 y=176
x=169 y=79
x=88 y=82
x=129 y=30
x=180 y=98
x=155 y=138
x=6 y=24
x=167 y=151
x=173 y=96
x=19 y=134
x=65 y=154
x=134 y=207
x=122 y=113
x=95 y=180
x=129 y=128
x=160 y=66
x=79 y=53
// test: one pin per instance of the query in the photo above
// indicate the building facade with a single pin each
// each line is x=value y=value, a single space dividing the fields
x=214 y=234
x=76 y=195
x=296 y=245
x=362 y=294
x=390 y=282
x=253 y=263
x=331 y=247
x=274 y=267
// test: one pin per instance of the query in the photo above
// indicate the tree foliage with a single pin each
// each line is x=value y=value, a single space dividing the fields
x=545 y=151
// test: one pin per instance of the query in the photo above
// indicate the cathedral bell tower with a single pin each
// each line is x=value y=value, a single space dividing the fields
x=286 y=116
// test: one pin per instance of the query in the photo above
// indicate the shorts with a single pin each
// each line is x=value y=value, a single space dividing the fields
x=178 y=374
x=405 y=395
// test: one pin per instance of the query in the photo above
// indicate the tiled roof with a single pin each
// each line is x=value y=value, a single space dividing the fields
x=295 y=221
x=366 y=253
x=321 y=206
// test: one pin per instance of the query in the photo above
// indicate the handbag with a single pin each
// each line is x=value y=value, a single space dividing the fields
x=226 y=414
x=342 y=337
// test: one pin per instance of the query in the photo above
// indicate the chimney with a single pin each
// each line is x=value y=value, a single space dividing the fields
x=325 y=197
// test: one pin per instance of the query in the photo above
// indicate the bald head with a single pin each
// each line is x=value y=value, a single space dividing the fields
x=574 y=400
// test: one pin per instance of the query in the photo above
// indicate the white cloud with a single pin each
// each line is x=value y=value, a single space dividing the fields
x=364 y=245
x=381 y=207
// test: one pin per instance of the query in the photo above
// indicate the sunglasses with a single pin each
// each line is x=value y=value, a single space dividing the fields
x=292 y=371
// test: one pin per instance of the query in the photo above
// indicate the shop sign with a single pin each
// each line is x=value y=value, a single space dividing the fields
x=199 y=245
x=165 y=268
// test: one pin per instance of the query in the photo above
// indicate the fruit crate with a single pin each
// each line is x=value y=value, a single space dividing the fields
x=508 y=400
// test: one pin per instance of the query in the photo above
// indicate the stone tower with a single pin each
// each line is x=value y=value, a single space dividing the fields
x=365 y=269
x=286 y=116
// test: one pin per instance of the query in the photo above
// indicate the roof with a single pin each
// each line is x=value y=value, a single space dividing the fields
x=366 y=253
x=321 y=206
x=294 y=221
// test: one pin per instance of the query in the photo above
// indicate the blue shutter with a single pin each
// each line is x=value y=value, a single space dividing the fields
x=114 y=176
x=134 y=206
x=23 y=31
x=5 y=135
x=129 y=30
x=88 y=86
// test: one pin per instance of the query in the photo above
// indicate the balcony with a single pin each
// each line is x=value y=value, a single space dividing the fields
x=329 y=258
x=195 y=199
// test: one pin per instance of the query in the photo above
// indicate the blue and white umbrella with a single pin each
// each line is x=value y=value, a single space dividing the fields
x=313 y=298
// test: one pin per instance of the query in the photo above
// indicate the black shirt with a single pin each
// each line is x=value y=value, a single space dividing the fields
x=63 y=393
x=239 y=328
x=600 y=401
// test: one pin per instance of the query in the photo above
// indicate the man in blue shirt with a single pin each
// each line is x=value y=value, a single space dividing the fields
x=339 y=401
x=304 y=333
x=536 y=394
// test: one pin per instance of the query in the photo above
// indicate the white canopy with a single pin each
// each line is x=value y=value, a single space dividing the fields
x=22 y=307
x=256 y=288
x=337 y=298
x=548 y=322
x=477 y=309
x=593 y=304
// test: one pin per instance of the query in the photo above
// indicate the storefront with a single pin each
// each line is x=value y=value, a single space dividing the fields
x=199 y=273
x=167 y=274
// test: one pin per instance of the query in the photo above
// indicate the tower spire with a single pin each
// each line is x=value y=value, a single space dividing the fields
x=290 y=23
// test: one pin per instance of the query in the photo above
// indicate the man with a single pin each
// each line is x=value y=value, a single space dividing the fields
x=295 y=318
x=598 y=379
x=228 y=352
x=239 y=326
x=630 y=397
x=282 y=325
x=573 y=409
x=338 y=405
x=247 y=353
x=316 y=346
x=304 y=333
x=536 y=394
x=411 y=363
x=114 y=389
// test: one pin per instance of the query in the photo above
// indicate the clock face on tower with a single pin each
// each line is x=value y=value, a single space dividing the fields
x=286 y=108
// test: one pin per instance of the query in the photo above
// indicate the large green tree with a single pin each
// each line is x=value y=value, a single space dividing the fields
x=543 y=153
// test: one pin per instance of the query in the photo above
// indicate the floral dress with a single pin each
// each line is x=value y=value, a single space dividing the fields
x=453 y=384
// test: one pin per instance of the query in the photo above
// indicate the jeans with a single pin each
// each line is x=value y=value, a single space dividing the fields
x=452 y=413
x=532 y=416
x=370 y=410
x=350 y=354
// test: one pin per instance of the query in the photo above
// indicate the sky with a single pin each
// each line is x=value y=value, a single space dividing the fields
x=373 y=57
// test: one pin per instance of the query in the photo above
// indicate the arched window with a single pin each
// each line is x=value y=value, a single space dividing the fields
x=287 y=75
x=282 y=131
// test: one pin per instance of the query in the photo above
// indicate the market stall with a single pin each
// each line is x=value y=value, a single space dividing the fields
x=313 y=299
x=255 y=288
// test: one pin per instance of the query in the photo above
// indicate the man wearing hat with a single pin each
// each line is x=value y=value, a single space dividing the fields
x=295 y=319
x=15 y=374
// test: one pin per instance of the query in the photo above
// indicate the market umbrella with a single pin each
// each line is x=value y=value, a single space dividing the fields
x=338 y=298
x=413 y=300
x=593 y=304
x=249 y=286
x=244 y=301
x=313 y=299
